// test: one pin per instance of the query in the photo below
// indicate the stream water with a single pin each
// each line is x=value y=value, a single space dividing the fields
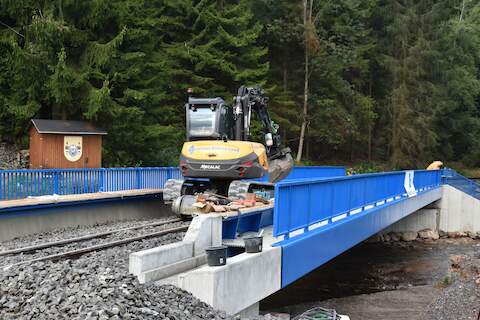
x=374 y=267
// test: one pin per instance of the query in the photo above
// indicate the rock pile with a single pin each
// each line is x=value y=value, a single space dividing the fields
x=16 y=258
x=95 y=286
x=77 y=231
x=10 y=158
x=426 y=234
x=461 y=291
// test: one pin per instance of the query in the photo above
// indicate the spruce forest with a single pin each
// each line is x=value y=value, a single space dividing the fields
x=390 y=81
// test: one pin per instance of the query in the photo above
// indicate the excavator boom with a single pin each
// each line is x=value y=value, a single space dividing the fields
x=254 y=99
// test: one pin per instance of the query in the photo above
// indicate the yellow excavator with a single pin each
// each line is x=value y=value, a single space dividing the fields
x=218 y=156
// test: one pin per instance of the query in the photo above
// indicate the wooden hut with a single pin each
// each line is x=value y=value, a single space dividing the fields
x=65 y=144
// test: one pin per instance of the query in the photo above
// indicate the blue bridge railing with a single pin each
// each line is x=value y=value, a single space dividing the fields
x=313 y=172
x=18 y=184
x=302 y=205
x=456 y=180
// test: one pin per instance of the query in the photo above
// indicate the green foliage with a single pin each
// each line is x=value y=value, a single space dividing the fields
x=125 y=65
x=395 y=81
x=445 y=282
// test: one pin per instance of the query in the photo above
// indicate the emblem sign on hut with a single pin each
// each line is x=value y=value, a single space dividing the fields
x=72 y=148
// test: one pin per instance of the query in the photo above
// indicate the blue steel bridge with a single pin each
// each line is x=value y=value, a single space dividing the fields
x=318 y=212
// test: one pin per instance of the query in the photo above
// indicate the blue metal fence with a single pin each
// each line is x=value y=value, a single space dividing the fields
x=316 y=172
x=313 y=172
x=18 y=184
x=303 y=204
x=456 y=180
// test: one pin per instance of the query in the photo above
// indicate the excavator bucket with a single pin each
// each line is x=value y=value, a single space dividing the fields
x=280 y=167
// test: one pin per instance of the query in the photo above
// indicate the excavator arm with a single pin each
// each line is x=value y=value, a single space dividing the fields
x=254 y=99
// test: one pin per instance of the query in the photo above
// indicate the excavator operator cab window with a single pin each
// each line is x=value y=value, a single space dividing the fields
x=207 y=119
x=203 y=122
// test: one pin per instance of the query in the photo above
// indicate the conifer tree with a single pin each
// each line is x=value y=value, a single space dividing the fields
x=393 y=81
x=411 y=100
x=458 y=72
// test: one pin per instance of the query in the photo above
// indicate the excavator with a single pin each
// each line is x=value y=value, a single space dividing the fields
x=218 y=156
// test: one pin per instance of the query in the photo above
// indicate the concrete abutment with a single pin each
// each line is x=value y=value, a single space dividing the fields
x=456 y=211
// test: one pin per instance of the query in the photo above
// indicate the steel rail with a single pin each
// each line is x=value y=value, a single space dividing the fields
x=82 y=238
x=82 y=251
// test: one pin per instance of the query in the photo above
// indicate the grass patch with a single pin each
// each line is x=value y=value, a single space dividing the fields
x=444 y=282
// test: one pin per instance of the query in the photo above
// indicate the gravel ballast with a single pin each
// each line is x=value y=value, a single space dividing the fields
x=74 y=232
x=94 y=286
x=16 y=258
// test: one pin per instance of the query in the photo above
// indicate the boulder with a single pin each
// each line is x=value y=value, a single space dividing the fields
x=471 y=234
x=409 y=236
x=456 y=260
x=277 y=316
x=456 y=234
x=375 y=238
x=395 y=236
x=428 y=234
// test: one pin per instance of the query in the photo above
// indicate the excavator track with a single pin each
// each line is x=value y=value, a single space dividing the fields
x=238 y=188
x=180 y=193
x=175 y=188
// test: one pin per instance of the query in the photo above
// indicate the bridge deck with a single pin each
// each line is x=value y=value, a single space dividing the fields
x=74 y=198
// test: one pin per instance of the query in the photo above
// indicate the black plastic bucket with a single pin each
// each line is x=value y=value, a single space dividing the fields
x=253 y=244
x=216 y=256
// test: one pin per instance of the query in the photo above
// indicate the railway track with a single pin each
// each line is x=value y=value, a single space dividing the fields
x=88 y=249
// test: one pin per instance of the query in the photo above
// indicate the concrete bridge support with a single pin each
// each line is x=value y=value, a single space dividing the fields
x=21 y=221
x=238 y=286
x=456 y=211
x=169 y=260
x=235 y=288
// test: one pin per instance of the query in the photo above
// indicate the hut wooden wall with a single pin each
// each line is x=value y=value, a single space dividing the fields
x=46 y=151
x=36 y=148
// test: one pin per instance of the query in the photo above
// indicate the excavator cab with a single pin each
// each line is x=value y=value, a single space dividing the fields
x=208 y=119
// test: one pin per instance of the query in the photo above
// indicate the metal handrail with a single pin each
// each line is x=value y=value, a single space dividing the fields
x=302 y=204
x=23 y=183
x=19 y=184
x=458 y=181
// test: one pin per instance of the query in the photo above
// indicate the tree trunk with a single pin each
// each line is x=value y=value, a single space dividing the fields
x=369 y=148
x=307 y=147
x=462 y=11
x=352 y=143
x=305 y=87
x=370 y=124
